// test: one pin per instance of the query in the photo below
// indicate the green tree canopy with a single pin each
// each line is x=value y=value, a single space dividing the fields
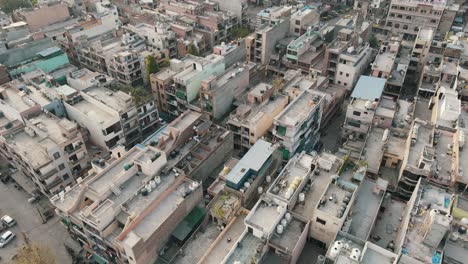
x=240 y=32
x=193 y=50
x=152 y=66
x=8 y=6
x=373 y=42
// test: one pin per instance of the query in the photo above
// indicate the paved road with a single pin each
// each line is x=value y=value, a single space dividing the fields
x=52 y=234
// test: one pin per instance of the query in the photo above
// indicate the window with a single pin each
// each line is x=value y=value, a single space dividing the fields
x=397 y=25
x=61 y=166
x=389 y=24
x=298 y=22
x=65 y=177
x=354 y=124
x=321 y=221
x=356 y=113
x=339 y=82
x=347 y=75
x=408 y=17
x=341 y=73
x=296 y=30
x=433 y=21
x=400 y=16
x=405 y=26
x=56 y=155
x=345 y=84
x=416 y=28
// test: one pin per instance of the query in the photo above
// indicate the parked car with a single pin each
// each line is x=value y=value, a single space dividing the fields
x=6 y=238
x=8 y=221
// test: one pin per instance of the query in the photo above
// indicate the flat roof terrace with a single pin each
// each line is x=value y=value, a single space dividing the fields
x=221 y=246
x=292 y=176
x=386 y=228
x=436 y=198
x=246 y=249
x=366 y=207
x=292 y=232
x=424 y=135
x=320 y=183
x=299 y=109
x=445 y=156
x=265 y=215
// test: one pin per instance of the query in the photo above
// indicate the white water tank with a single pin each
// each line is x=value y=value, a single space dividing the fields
x=260 y=190
x=157 y=179
x=284 y=222
x=246 y=185
x=279 y=208
x=153 y=184
x=301 y=197
x=268 y=178
x=148 y=187
x=355 y=254
x=288 y=217
x=279 y=229
x=464 y=221
x=385 y=135
x=289 y=193
x=336 y=249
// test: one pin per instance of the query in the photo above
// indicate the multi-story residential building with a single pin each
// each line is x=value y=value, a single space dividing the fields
x=253 y=120
x=391 y=63
x=345 y=62
x=145 y=104
x=218 y=93
x=50 y=151
x=297 y=127
x=45 y=15
x=127 y=211
x=175 y=87
x=360 y=113
x=158 y=38
x=105 y=21
x=419 y=157
x=273 y=15
x=120 y=58
x=302 y=20
x=232 y=52
x=237 y=7
x=128 y=66
x=419 y=53
x=260 y=45
x=448 y=17
x=305 y=51
x=110 y=117
x=194 y=144
x=408 y=17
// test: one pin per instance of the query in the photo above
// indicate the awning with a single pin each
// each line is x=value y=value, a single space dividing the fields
x=26 y=183
x=190 y=222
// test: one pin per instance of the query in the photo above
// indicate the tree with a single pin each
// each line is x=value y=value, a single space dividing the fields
x=8 y=6
x=193 y=50
x=35 y=253
x=373 y=42
x=152 y=66
x=240 y=32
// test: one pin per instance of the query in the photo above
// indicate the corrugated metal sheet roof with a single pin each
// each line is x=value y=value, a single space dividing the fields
x=369 y=88
x=48 y=51
x=253 y=159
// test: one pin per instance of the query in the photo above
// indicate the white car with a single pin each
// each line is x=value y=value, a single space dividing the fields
x=6 y=238
x=8 y=221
